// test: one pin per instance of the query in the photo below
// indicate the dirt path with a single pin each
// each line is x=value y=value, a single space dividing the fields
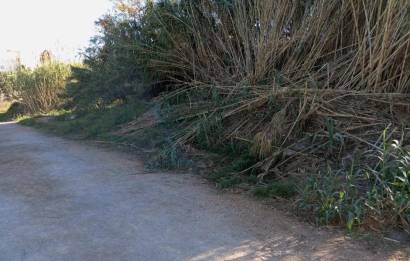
x=63 y=200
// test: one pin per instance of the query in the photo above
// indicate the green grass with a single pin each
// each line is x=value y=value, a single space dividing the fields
x=231 y=172
x=9 y=111
x=280 y=189
x=352 y=197
x=96 y=124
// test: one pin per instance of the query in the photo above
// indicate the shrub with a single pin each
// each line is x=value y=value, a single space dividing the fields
x=7 y=83
x=39 y=89
x=111 y=71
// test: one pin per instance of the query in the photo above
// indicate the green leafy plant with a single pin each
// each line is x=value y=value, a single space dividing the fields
x=378 y=193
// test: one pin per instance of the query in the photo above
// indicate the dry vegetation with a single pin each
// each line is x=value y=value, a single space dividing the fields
x=305 y=87
x=311 y=97
x=289 y=65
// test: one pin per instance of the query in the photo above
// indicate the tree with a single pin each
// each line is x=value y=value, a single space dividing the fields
x=46 y=57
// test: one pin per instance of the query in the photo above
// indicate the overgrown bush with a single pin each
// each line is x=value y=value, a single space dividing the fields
x=305 y=84
x=37 y=90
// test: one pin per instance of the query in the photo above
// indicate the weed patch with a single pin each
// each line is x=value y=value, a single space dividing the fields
x=377 y=195
x=93 y=124
x=280 y=189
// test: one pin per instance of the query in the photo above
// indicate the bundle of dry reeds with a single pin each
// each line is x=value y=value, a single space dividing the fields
x=310 y=60
x=302 y=83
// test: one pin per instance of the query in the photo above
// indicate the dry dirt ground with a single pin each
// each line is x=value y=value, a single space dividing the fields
x=64 y=200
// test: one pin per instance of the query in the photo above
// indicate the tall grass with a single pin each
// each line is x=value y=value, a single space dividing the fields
x=39 y=89
x=302 y=84
x=303 y=59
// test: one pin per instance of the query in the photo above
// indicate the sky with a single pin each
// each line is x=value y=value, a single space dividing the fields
x=63 y=26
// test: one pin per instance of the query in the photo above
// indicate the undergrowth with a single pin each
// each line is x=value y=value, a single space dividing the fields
x=377 y=196
x=97 y=124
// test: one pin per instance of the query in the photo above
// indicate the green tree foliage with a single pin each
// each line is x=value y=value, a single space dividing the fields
x=46 y=57
x=120 y=61
x=7 y=80
x=111 y=70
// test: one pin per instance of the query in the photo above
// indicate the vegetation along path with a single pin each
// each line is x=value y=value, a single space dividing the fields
x=62 y=200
